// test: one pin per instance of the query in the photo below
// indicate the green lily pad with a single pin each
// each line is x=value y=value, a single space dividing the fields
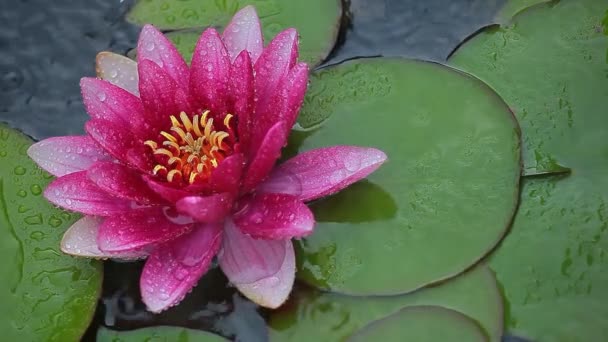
x=512 y=7
x=157 y=334
x=452 y=174
x=317 y=21
x=45 y=296
x=551 y=67
x=315 y=316
x=422 y=324
x=553 y=263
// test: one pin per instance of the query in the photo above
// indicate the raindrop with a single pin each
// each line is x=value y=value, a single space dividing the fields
x=114 y=73
x=101 y=96
x=150 y=46
x=36 y=189
x=20 y=170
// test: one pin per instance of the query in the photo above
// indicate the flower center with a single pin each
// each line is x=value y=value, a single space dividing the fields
x=191 y=149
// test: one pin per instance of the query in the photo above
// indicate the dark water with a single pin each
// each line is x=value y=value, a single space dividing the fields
x=47 y=46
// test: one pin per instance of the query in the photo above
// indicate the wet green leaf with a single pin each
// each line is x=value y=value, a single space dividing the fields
x=422 y=324
x=551 y=67
x=443 y=199
x=553 y=263
x=317 y=21
x=157 y=334
x=45 y=295
x=512 y=7
x=315 y=316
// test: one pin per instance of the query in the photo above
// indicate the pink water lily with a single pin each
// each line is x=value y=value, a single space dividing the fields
x=178 y=164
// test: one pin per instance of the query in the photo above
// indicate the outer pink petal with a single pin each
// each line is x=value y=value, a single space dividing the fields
x=64 y=155
x=160 y=94
x=77 y=193
x=166 y=191
x=244 y=33
x=113 y=138
x=322 y=172
x=242 y=96
x=81 y=240
x=266 y=155
x=208 y=209
x=273 y=66
x=272 y=291
x=139 y=229
x=246 y=260
x=210 y=71
x=155 y=47
x=105 y=101
x=118 y=70
x=140 y=157
x=174 y=268
x=122 y=182
x=274 y=217
x=227 y=176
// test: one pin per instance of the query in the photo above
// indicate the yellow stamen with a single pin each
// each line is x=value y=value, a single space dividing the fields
x=172 y=174
x=193 y=147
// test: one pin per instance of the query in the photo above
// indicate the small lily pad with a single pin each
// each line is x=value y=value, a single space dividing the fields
x=550 y=66
x=157 y=334
x=441 y=202
x=46 y=295
x=315 y=316
x=422 y=324
x=317 y=21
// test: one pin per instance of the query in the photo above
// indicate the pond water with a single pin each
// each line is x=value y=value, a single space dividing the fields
x=47 y=46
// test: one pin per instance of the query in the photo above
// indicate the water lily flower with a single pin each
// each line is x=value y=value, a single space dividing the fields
x=178 y=163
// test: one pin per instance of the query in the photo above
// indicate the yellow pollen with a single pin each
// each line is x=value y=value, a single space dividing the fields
x=192 y=148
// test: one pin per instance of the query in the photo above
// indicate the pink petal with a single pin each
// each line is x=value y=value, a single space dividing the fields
x=77 y=193
x=208 y=209
x=64 y=155
x=106 y=101
x=266 y=156
x=160 y=94
x=291 y=94
x=274 y=217
x=246 y=260
x=140 y=157
x=271 y=292
x=244 y=33
x=165 y=190
x=81 y=240
x=322 y=172
x=287 y=101
x=118 y=70
x=113 y=138
x=242 y=92
x=122 y=182
x=175 y=267
x=273 y=66
x=210 y=70
x=227 y=176
x=155 y=47
x=141 y=228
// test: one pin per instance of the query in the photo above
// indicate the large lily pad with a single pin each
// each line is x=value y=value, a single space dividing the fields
x=157 y=334
x=315 y=316
x=45 y=295
x=422 y=324
x=512 y=7
x=451 y=182
x=553 y=264
x=317 y=21
x=550 y=66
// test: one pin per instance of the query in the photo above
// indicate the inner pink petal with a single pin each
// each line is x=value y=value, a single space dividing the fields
x=266 y=155
x=207 y=209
